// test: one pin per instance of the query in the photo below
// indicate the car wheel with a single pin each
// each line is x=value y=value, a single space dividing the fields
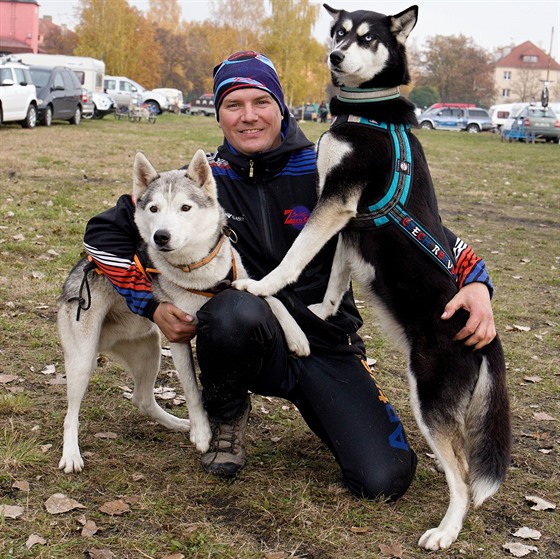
x=153 y=107
x=473 y=129
x=88 y=116
x=31 y=117
x=427 y=125
x=77 y=116
x=46 y=120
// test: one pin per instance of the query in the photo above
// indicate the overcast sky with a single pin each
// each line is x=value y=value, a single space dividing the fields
x=490 y=23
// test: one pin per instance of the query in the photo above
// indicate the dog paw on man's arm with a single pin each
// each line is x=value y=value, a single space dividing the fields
x=480 y=328
x=176 y=325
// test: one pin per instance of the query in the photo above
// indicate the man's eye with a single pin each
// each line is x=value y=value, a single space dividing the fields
x=154 y=209
x=185 y=208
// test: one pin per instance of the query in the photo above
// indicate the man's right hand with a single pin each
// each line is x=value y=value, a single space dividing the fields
x=176 y=325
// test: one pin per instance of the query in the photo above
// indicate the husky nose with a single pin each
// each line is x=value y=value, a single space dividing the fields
x=336 y=57
x=161 y=237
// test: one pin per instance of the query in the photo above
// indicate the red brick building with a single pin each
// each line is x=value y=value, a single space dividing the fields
x=19 y=26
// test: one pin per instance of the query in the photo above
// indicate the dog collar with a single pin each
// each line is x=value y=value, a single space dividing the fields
x=358 y=95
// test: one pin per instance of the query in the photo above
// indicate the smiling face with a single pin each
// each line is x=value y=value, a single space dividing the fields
x=251 y=120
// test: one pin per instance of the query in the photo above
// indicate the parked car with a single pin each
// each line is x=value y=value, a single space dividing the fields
x=532 y=123
x=174 y=97
x=204 y=105
x=59 y=94
x=305 y=112
x=471 y=119
x=126 y=92
x=18 y=96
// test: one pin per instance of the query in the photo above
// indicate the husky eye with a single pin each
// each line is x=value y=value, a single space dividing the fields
x=154 y=209
x=185 y=208
x=368 y=38
x=340 y=33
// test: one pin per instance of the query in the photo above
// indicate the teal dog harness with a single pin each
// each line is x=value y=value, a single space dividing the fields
x=391 y=208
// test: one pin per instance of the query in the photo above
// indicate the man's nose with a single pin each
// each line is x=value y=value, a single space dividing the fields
x=249 y=112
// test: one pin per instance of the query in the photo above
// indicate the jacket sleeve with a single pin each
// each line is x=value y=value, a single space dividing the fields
x=112 y=240
x=469 y=266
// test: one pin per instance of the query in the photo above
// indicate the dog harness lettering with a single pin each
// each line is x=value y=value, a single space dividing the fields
x=392 y=206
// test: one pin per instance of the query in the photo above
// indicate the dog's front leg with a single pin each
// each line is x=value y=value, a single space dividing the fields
x=200 y=434
x=296 y=339
x=327 y=219
x=339 y=282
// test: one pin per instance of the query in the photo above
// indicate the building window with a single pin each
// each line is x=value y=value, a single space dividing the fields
x=530 y=58
x=505 y=92
x=507 y=75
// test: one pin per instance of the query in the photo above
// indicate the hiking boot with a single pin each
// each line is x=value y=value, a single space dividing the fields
x=226 y=455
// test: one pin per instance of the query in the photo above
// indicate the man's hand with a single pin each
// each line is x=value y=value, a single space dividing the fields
x=176 y=325
x=480 y=329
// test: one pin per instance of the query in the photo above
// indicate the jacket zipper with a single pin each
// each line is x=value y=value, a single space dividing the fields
x=251 y=164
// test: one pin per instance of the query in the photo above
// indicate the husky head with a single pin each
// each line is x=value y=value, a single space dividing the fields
x=368 y=49
x=177 y=211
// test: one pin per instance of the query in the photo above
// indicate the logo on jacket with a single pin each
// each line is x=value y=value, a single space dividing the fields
x=297 y=217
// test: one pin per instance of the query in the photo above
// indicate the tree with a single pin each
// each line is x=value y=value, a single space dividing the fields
x=526 y=86
x=299 y=58
x=241 y=22
x=423 y=96
x=459 y=70
x=59 y=41
x=165 y=14
x=121 y=36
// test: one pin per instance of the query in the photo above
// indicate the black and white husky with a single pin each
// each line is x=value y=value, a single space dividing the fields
x=375 y=188
x=184 y=227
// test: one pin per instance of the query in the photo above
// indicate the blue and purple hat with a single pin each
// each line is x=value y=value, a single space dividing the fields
x=247 y=69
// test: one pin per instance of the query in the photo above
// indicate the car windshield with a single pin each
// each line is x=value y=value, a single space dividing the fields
x=40 y=77
x=540 y=112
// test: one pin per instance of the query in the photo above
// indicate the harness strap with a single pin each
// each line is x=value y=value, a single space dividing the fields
x=84 y=304
x=391 y=208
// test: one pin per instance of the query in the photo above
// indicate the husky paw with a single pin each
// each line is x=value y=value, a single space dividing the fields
x=298 y=345
x=437 y=538
x=71 y=463
x=201 y=436
x=251 y=286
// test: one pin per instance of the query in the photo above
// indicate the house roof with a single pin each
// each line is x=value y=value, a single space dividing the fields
x=11 y=45
x=21 y=1
x=518 y=58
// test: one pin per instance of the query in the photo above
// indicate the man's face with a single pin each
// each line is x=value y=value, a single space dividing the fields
x=250 y=120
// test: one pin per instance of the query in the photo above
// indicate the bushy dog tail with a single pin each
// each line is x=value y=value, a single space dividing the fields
x=488 y=431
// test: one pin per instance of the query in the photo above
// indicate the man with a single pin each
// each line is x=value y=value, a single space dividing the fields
x=266 y=177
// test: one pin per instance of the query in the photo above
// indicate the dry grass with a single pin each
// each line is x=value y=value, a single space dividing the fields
x=503 y=198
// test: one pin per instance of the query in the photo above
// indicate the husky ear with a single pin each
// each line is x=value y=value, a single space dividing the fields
x=142 y=175
x=402 y=24
x=333 y=13
x=200 y=172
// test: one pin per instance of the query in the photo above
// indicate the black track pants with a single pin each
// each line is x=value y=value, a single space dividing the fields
x=240 y=347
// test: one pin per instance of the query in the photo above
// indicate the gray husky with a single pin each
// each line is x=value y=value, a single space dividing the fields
x=181 y=222
x=375 y=188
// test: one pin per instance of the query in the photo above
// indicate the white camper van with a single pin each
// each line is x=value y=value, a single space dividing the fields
x=90 y=72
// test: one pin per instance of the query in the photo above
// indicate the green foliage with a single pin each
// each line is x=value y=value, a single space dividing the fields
x=423 y=96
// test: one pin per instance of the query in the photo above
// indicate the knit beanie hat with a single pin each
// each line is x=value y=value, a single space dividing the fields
x=247 y=69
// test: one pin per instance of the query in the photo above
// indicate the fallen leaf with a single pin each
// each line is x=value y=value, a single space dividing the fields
x=527 y=534
x=48 y=370
x=34 y=539
x=19 y=237
x=114 y=508
x=276 y=555
x=59 y=503
x=177 y=556
x=37 y=275
x=545 y=450
x=58 y=379
x=90 y=528
x=394 y=550
x=540 y=504
x=138 y=477
x=11 y=511
x=45 y=448
x=5 y=379
x=106 y=435
x=359 y=529
x=543 y=416
x=532 y=379
x=100 y=554
x=519 y=549
x=22 y=486
x=521 y=328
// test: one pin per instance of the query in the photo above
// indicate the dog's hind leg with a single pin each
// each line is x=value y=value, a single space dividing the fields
x=446 y=439
x=200 y=426
x=141 y=358
x=79 y=343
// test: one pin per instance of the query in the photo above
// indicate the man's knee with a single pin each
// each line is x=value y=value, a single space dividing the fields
x=390 y=482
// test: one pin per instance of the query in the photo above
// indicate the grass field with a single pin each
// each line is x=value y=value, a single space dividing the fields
x=504 y=199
